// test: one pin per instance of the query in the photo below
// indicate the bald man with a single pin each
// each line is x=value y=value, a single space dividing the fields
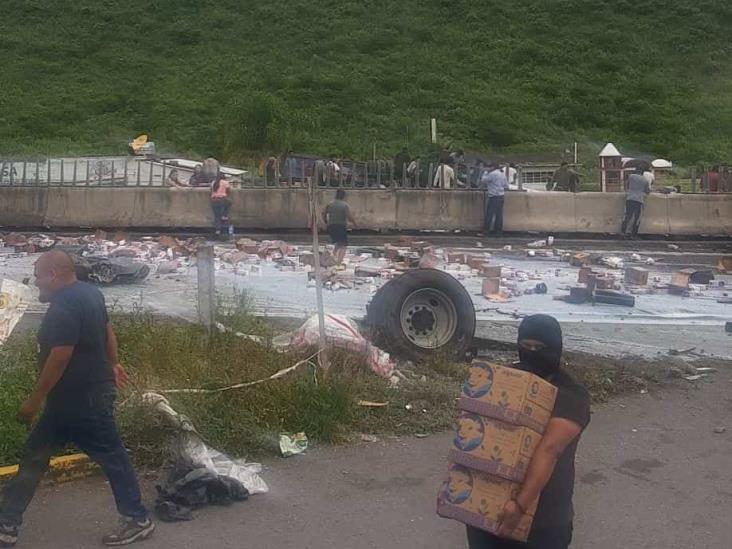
x=79 y=371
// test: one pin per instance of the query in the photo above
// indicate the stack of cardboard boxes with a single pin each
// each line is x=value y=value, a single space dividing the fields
x=504 y=412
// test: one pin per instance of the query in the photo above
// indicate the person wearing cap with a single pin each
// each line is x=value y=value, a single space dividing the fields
x=550 y=475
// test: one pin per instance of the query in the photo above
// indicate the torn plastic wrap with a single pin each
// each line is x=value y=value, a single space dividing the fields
x=187 y=451
x=340 y=333
x=14 y=299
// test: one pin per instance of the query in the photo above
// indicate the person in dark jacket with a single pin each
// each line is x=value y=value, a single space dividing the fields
x=550 y=475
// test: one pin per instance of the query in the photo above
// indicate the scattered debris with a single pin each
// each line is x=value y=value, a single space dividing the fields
x=537 y=244
x=194 y=470
x=292 y=444
x=719 y=430
x=613 y=262
x=672 y=247
x=636 y=276
x=695 y=377
x=14 y=303
x=369 y=438
x=369 y=404
x=676 y=352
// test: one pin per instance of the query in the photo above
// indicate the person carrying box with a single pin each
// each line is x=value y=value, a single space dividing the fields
x=550 y=474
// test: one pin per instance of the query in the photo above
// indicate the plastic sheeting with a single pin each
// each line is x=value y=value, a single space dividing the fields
x=14 y=299
x=340 y=333
x=187 y=450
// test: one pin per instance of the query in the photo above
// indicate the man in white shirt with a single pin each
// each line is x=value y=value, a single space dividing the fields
x=444 y=175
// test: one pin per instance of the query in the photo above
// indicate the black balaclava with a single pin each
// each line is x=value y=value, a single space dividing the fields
x=544 y=328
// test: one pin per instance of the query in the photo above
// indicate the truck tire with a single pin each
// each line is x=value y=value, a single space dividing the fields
x=421 y=314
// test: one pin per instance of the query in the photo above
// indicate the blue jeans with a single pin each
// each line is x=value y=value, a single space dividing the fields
x=90 y=425
x=494 y=211
x=220 y=207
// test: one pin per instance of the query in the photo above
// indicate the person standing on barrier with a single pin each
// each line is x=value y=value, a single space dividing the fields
x=337 y=215
x=220 y=205
x=495 y=183
x=79 y=371
x=638 y=188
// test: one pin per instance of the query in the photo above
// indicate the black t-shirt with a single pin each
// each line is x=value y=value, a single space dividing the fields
x=555 y=503
x=77 y=316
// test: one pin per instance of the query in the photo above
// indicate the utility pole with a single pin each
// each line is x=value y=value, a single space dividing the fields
x=206 y=286
x=316 y=267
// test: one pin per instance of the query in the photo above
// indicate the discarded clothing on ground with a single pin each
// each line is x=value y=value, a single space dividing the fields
x=196 y=474
x=199 y=487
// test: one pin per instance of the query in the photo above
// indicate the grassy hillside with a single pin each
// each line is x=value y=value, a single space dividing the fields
x=231 y=78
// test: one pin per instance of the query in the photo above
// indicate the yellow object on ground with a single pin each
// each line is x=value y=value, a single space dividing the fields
x=61 y=469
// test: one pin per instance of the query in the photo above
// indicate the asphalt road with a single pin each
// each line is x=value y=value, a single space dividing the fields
x=651 y=473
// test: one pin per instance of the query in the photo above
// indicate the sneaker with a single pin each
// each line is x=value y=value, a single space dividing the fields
x=8 y=535
x=130 y=531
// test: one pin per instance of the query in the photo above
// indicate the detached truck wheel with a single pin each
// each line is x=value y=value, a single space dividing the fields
x=420 y=314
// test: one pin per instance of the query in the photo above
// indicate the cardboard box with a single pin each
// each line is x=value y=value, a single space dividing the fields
x=477 y=498
x=584 y=274
x=454 y=257
x=636 y=275
x=491 y=286
x=490 y=271
x=680 y=280
x=604 y=282
x=493 y=446
x=508 y=394
x=475 y=261
x=419 y=245
x=580 y=259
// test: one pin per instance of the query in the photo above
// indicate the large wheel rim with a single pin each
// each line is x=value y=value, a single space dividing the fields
x=428 y=318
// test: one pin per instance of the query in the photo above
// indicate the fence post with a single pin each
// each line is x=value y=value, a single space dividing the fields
x=24 y=166
x=48 y=173
x=88 y=173
x=162 y=181
x=75 y=172
x=137 y=179
x=111 y=174
x=125 y=171
x=38 y=173
x=693 y=179
x=61 y=163
x=206 y=286
x=150 y=177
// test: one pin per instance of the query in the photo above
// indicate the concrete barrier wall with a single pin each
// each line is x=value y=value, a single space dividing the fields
x=59 y=207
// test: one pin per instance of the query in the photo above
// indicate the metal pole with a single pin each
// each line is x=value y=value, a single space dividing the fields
x=111 y=174
x=366 y=174
x=75 y=169
x=138 y=172
x=62 y=171
x=87 y=172
x=150 y=177
x=693 y=179
x=206 y=286
x=125 y=170
x=48 y=174
x=24 y=166
x=38 y=172
x=316 y=267
x=163 y=179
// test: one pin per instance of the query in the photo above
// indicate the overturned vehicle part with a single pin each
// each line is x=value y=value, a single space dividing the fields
x=110 y=270
x=422 y=314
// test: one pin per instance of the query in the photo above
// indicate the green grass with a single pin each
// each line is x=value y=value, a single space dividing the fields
x=237 y=78
x=162 y=354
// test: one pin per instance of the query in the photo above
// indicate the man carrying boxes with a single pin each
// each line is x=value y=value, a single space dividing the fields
x=511 y=477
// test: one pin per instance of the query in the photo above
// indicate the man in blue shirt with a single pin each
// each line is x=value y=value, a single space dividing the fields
x=495 y=183
x=79 y=369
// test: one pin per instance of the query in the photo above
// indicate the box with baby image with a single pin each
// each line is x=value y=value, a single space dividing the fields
x=477 y=498
x=493 y=446
x=508 y=394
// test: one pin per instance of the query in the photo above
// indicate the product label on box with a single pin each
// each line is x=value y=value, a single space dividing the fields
x=477 y=499
x=509 y=394
x=493 y=446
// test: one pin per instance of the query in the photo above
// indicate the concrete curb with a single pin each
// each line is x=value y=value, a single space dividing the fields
x=61 y=469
